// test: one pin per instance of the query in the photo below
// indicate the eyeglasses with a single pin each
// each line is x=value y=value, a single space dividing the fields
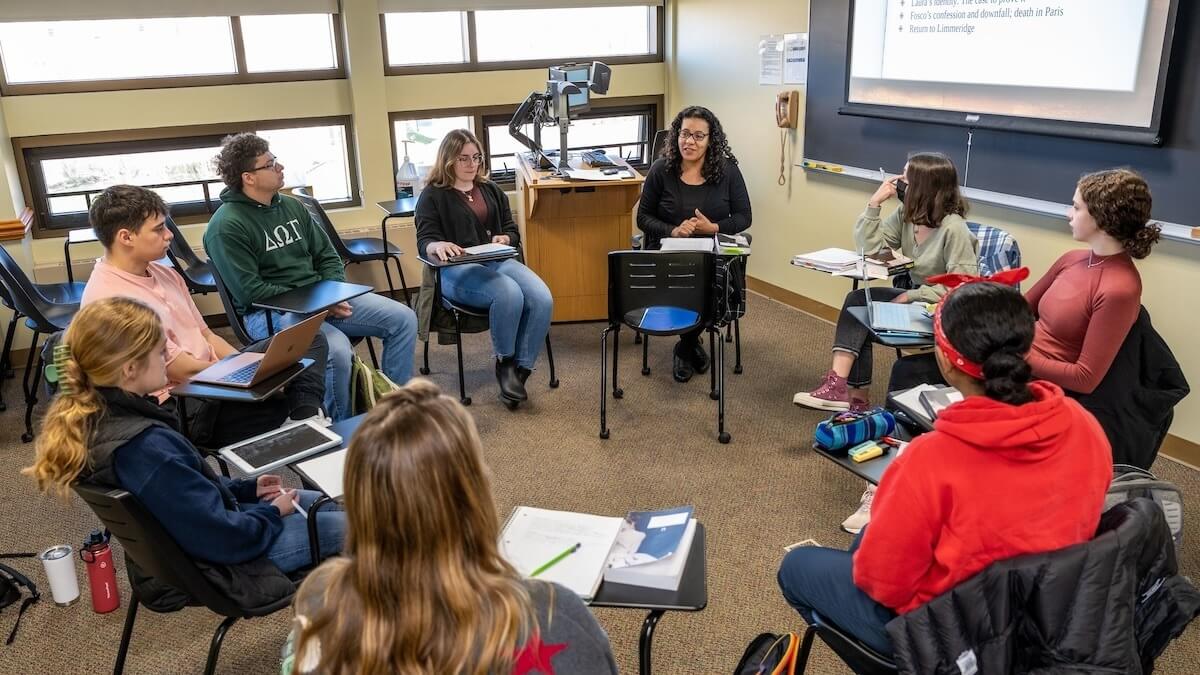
x=698 y=136
x=269 y=165
x=469 y=159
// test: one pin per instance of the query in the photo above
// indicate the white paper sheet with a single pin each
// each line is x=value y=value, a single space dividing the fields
x=326 y=471
x=533 y=537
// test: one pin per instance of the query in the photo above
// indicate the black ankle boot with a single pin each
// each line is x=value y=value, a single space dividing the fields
x=524 y=374
x=512 y=387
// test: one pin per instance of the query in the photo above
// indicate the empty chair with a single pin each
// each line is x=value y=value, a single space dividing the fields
x=196 y=273
x=360 y=249
x=41 y=316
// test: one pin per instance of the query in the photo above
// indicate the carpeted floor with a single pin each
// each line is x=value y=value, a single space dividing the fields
x=761 y=492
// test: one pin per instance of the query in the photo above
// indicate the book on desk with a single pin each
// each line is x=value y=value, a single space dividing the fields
x=599 y=548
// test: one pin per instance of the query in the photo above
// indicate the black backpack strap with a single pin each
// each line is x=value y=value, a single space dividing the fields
x=21 y=580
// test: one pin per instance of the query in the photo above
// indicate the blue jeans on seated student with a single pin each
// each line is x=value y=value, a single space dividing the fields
x=373 y=316
x=291 y=550
x=821 y=580
x=516 y=299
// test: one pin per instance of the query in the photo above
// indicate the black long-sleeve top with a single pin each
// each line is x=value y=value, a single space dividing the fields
x=443 y=215
x=667 y=201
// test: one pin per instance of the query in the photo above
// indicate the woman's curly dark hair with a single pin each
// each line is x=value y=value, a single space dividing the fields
x=238 y=153
x=1119 y=200
x=715 y=155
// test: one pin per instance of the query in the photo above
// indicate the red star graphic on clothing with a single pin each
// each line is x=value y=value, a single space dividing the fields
x=536 y=657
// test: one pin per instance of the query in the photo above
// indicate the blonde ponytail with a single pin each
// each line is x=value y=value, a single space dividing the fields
x=103 y=337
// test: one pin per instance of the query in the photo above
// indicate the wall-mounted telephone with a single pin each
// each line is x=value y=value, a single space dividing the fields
x=787 y=109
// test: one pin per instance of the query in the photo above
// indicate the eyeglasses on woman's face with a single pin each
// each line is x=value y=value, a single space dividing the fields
x=469 y=160
x=698 y=136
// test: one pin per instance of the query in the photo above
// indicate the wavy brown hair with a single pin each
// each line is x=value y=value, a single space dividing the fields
x=237 y=156
x=715 y=155
x=1119 y=200
x=104 y=336
x=123 y=207
x=441 y=174
x=932 y=190
x=422 y=587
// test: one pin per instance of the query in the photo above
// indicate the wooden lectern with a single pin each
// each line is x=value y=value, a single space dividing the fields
x=569 y=227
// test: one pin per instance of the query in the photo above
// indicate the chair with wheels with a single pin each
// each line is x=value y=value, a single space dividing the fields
x=661 y=293
x=42 y=315
x=462 y=326
x=196 y=273
x=358 y=250
x=861 y=658
x=157 y=554
x=733 y=330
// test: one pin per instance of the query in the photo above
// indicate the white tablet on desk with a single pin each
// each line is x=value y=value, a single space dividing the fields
x=279 y=447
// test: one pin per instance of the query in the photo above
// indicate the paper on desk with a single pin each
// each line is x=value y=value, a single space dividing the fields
x=856 y=272
x=535 y=536
x=688 y=244
x=592 y=174
x=326 y=471
x=488 y=248
x=911 y=399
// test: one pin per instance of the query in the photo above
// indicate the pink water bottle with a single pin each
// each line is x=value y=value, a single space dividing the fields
x=102 y=578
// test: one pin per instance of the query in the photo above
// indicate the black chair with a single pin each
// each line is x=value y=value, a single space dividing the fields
x=157 y=555
x=196 y=273
x=733 y=330
x=459 y=311
x=239 y=326
x=662 y=293
x=41 y=316
x=358 y=250
x=861 y=658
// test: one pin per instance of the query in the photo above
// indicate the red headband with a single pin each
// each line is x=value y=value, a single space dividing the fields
x=952 y=281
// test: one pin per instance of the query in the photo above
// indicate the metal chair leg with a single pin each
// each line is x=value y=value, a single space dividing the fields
x=645 y=354
x=462 y=382
x=617 y=391
x=371 y=351
x=31 y=382
x=403 y=283
x=425 y=368
x=387 y=272
x=722 y=435
x=214 y=649
x=314 y=540
x=6 y=364
x=805 y=648
x=637 y=338
x=729 y=331
x=645 y=641
x=604 y=381
x=712 y=367
x=737 y=346
x=550 y=359
x=126 y=635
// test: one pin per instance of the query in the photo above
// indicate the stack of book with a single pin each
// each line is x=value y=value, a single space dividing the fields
x=844 y=263
x=579 y=550
x=832 y=260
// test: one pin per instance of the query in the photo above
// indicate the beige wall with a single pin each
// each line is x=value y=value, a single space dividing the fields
x=713 y=63
x=367 y=95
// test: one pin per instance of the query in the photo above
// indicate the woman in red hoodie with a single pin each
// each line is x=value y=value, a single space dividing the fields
x=1014 y=468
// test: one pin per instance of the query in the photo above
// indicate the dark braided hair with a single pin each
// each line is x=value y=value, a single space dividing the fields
x=715 y=155
x=992 y=325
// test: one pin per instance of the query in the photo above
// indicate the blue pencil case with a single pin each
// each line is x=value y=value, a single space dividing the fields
x=845 y=430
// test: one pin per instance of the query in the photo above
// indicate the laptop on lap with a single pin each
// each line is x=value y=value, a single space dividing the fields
x=246 y=369
x=897 y=319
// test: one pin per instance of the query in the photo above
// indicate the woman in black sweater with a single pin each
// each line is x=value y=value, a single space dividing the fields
x=694 y=190
x=459 y=208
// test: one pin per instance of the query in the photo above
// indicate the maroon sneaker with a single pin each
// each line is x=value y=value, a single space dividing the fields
x=831 y=395
x=859 y=405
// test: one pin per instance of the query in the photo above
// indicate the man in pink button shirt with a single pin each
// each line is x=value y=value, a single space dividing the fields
x=130 y=222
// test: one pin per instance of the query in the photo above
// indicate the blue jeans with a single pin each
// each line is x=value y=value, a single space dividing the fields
x=821 y=580
x=373 y=316
x=517 y=301
x=291 y=551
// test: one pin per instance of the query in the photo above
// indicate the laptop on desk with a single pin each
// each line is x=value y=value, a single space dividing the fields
x=895 y=319
x=246 y=369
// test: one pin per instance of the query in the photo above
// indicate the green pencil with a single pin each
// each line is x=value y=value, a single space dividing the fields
x=555 y=560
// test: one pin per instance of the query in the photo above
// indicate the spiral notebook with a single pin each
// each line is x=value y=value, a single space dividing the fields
x=533 y=537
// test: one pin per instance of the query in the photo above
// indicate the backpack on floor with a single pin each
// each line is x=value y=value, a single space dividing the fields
x=770 y=654
x=367 y=386
x=1130 y=482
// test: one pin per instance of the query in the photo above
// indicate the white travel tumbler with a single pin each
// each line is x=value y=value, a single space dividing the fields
x=60 y=572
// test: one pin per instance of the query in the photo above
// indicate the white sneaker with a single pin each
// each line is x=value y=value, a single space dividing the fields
x=319 y=418
x=859 y=519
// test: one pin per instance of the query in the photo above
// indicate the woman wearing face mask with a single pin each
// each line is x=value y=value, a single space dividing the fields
x=930 y=228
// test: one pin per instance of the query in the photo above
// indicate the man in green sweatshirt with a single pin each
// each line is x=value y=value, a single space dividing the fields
x=264 y=243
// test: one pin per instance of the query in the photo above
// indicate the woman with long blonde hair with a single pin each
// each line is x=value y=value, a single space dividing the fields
x=461 y=208
x=105 y=428
x=423 y=587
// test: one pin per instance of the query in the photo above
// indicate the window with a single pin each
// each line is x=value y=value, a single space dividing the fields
x=63 y=179
x=421 y=38
x=100 y=55
x=418 y=141
x=420 y=42
x=585 y=31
